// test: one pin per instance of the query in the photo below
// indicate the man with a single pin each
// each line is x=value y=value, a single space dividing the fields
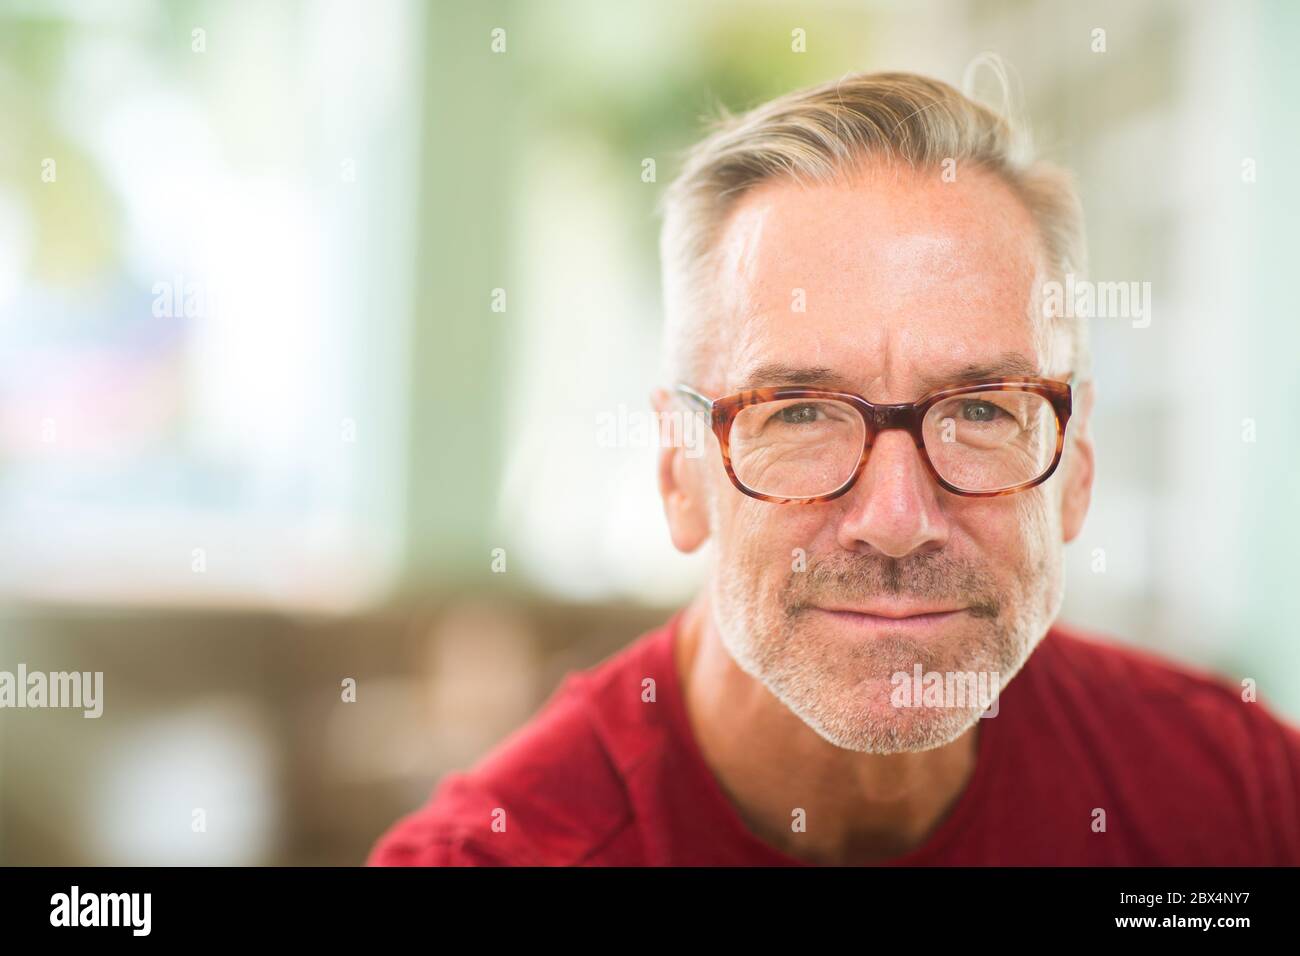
x=899 y=449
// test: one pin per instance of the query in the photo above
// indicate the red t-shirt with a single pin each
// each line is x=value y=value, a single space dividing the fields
x=1187 y=773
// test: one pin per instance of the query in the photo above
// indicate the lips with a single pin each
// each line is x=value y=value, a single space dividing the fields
x=892 y=617
x=895 y=612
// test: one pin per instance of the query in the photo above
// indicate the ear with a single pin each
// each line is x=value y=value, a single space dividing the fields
x=681 y=475
x=1080 y=464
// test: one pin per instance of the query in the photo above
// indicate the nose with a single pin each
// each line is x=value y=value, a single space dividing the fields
x=894 y=508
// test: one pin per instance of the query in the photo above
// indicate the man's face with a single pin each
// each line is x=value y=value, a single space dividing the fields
x=905 y=281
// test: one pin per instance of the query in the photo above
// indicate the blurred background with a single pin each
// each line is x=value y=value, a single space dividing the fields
x=312 y=314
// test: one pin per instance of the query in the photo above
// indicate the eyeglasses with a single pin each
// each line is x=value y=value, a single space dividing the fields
x=808 y=445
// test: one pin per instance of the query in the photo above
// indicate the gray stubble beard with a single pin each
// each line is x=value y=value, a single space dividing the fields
x=802 y=673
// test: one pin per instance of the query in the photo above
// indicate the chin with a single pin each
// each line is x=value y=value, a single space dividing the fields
x=863 y=717
x=882 y=732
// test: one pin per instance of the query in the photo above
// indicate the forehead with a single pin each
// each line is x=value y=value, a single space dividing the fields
x=891 y=282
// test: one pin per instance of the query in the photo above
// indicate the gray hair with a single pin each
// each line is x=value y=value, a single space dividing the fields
x=816 y=135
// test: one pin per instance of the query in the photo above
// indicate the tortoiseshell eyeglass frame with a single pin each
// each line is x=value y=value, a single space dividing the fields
x=908 y=416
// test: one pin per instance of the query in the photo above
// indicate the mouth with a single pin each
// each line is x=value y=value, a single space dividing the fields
x=894 y=618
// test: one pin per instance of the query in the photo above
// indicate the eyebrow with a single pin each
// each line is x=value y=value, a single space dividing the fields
x=781 y=375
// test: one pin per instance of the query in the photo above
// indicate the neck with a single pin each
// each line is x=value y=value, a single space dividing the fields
x=859 y=807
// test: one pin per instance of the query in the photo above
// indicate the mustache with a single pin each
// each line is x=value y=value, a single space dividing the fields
x=933 y=577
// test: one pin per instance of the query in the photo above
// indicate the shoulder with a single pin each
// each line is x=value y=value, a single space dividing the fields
x=1126 y=677
x=551 y=793
x=1126 y=680
x=448 y=831
x=1176 y=727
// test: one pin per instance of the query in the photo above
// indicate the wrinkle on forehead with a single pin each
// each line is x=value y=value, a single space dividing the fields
x=887 y=275
x=735 y=278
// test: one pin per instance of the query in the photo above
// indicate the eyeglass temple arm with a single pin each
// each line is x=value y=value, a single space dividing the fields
x=699 y=399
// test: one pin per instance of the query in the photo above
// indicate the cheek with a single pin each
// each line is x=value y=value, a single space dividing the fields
x=1018 y=540
x=1039 y=519
x=1039 y=559
x=1016 y=532
x=758 y=540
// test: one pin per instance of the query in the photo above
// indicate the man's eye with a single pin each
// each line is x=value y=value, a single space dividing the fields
x=980 y=412
x=797 y=415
